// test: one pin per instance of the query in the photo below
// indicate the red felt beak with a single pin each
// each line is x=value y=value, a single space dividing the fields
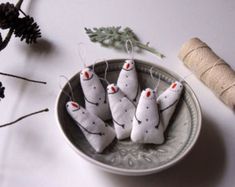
x=148 y=93
x=86 y=75
x=113 y=89
x=173 y=85
x=127 y=66
x=75 y=105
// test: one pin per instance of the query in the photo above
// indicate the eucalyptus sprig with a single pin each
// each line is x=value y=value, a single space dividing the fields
x=117 y=37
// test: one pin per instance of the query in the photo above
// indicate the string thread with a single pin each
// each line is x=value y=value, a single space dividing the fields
x=70 y=87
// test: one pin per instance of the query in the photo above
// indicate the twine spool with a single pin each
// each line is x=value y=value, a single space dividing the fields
x=210 y=68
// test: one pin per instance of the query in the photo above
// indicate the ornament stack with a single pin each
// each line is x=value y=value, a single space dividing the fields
x=141 y=116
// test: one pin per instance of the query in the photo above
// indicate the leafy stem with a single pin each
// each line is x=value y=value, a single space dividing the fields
x=116 y=37
x=150 y=49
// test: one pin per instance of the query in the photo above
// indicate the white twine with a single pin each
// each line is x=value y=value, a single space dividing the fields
x=129 y=48
x=70 y=87
x=105 y=72
x=82 y=53
x=158 y=82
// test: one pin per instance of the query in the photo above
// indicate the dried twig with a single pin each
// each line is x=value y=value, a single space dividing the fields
x=13 y=122
x=23 y=78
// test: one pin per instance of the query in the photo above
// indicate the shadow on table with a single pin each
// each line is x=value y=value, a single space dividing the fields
x=43 y=45
x=204 y=166
x=43 y=48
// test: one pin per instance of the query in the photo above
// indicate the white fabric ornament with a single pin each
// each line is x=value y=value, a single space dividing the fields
x=167 y=102
x=147 y=127
x=97 y=133
x=95 y=95
x=128 y=81
x=122 y=110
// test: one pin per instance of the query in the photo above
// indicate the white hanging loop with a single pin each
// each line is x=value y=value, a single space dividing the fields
x=107 y=82
x=70 y=87
x=82 y=54
x=158 y=82
x=106 y=69
x=129 y=48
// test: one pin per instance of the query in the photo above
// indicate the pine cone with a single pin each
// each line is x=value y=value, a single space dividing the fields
x=27 y=29
x=8 y=15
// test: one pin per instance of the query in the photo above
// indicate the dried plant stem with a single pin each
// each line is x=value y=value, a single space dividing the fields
x=23 y=78
x=150 y=49
x=4 y=43
x=22 y=12
x=34 y=113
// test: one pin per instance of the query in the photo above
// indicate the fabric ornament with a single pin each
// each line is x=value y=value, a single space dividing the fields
x=122 y=110
x=147 y=127
x=128 y=81
x=95 y=95
x=98 y=134
x=167 y=102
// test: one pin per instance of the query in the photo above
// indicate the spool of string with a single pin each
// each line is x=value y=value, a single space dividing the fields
x=210 y=68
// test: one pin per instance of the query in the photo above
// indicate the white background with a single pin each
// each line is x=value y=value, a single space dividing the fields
x=33 y=152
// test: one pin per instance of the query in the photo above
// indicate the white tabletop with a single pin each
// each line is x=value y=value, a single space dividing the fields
x=33 y=152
